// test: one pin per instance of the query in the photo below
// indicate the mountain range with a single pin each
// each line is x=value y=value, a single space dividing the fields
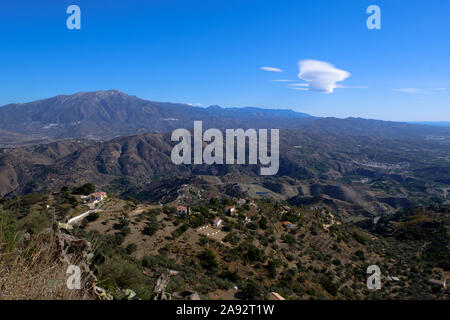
x=103 y=115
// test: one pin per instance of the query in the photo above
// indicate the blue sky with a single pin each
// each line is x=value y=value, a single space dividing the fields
x=211 y=52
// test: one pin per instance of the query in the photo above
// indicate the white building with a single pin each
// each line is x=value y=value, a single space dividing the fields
x=217 y=222
x=230 y=209
x=182 y=210
x=97 y=196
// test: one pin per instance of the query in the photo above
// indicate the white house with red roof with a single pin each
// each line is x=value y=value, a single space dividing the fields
x=97 y=196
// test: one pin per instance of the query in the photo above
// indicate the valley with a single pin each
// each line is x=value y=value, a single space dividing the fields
x=352 y=175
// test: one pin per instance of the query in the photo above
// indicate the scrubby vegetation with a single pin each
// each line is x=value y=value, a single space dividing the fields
x=29 y=264
x=258 y=254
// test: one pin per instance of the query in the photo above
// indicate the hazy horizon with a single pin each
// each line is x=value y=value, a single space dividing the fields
x=429 y=122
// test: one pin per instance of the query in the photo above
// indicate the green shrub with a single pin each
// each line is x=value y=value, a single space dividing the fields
x=178 y=232
x=151 y=227
x=92 y=216
x=87 y=188
x=131 y=247
x=119 y=238
x=8 y=235
x=330 y=286
x=361 y=239
x=251 y=291
x=208 y=260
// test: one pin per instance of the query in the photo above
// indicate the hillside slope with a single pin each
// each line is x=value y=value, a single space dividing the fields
x=363 y=175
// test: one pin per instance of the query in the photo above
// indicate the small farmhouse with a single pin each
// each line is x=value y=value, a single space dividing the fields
x=242 y=201
x=287 y=225
x=217 y=222
x=182 y=210
x=230 y=209
x=97 y=196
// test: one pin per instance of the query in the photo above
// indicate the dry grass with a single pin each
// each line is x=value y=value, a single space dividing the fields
x=34 y=271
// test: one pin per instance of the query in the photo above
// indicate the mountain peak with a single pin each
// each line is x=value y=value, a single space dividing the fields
x=100 y=93
x=105 y=114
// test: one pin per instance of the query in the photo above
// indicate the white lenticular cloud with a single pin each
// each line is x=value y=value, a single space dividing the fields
x=419 y=90
x=322 y=76
x=271 y=69
x=298 y=84
x=299 y=88
x=407 y=90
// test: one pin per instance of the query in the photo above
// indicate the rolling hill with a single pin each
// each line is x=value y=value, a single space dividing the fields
x=354 y=175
